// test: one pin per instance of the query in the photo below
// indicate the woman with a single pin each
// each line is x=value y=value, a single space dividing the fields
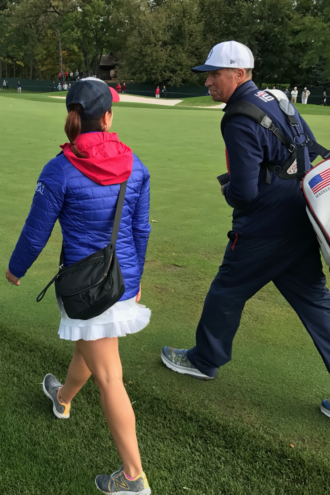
x=80 y=187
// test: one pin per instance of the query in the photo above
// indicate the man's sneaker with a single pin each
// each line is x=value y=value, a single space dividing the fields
x=176 y=360
x=51 y=385
x=325 y=407
x=119 y=483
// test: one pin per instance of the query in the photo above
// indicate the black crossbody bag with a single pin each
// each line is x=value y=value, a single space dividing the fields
x=94 y=284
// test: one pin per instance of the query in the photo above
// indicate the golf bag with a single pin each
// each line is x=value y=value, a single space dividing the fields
x=315 y=182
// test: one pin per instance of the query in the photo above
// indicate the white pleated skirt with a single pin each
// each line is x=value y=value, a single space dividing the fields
x=123 y=318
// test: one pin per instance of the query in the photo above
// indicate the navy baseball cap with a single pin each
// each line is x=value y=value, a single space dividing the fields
x=94 y=95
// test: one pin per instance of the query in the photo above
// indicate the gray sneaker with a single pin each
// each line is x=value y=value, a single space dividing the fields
x=176 y=360
x=51 y=385
x=325 y=407
x=118 y=483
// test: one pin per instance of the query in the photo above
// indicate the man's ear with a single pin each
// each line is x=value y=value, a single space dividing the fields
x=240 y=74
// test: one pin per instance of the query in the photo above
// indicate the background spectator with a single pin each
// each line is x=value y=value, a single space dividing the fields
x=324 y=99
x=60 y=77
x=59 y=87
x=124 y=88
x=157 y=92
x=118 y=88
x=304 y=96
x=77 y=75
x=4 y=84
x=164 y=91
x=71 y=76
x=287 y=93
x=65 y=86
x=19 y=87
x=294 y=95
x=66 y=75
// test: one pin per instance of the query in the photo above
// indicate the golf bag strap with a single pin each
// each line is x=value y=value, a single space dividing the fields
x=320 y=150
x=247 y=109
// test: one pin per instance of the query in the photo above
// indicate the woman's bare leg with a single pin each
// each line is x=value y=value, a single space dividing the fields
x=102 y=358
x=77 y=376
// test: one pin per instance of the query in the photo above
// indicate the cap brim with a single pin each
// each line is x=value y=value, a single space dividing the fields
x=205 y=68
x=115 y=95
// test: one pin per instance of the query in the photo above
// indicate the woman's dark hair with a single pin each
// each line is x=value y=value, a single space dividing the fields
x=75 y=125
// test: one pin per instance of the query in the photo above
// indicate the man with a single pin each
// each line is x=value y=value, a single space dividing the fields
x=304 y=96
x=124 y=88
x=19 y=87
x=71 y=76
x=76 y=75
x=287 y=93
x=164 y=91
x=271 y=238
x=294 y=95
x=4 y=84
x=324 y=98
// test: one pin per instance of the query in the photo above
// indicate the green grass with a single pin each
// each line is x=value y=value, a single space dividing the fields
x=231 y=436
x=198 y=101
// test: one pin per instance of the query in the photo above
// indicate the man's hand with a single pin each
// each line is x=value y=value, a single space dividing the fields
x=11 y=278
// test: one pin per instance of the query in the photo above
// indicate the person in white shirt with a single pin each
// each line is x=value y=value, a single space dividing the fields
x=294 y=95
x=304 y=96
x=71 y=76
x=65 y=87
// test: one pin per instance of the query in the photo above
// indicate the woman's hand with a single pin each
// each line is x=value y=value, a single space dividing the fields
x=138 y=295
x=14 y=280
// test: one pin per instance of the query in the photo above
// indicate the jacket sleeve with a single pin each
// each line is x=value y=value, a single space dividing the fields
x=140 y=221
x=45 y=209
x=245 y=156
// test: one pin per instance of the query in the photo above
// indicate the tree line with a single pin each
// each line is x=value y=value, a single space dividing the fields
x=157 y=41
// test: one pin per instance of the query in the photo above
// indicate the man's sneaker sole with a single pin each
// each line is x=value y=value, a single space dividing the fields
x=57 y=414
x=180 y=369
x=325 y=411
x=147 y=491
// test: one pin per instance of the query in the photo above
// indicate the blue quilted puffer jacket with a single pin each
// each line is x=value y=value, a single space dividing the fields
x=86 y=211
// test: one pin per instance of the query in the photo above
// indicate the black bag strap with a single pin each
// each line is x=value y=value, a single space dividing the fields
x=116 y=222
x=113 y=240
x=317 y=148
x=119 y=209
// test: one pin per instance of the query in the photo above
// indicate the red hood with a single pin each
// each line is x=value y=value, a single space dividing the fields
x=108 y=161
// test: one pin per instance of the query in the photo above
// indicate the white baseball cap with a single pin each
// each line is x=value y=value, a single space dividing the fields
x=229 y=54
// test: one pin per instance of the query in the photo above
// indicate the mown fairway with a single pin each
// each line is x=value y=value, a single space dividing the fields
x=231 y=436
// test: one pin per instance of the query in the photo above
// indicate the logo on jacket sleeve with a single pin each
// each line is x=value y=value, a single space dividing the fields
x=264 y=96
x=40 y=188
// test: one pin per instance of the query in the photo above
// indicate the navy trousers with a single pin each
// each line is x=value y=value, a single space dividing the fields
x=293 y=264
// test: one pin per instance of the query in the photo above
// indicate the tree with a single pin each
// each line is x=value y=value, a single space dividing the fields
x=165 y=41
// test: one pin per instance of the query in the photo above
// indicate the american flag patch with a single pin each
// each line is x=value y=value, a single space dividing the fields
x=320 y=181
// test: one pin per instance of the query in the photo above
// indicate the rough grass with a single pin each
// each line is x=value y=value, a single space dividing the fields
x=229 y=436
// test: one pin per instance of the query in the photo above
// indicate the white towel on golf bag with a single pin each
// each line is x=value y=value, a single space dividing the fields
x=316 y=188
x=121 y=319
